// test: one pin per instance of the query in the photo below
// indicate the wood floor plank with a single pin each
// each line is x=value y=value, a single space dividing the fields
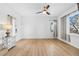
x=42 y=47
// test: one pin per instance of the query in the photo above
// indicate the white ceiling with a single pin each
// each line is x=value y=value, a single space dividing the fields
x=55 y=9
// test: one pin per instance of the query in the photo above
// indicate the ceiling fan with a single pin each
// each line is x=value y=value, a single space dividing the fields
x=45 y=10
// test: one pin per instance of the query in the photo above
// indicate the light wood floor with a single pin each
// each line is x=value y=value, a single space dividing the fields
x=42 y=47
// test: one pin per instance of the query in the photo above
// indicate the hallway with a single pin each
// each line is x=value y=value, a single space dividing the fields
x=42 y=47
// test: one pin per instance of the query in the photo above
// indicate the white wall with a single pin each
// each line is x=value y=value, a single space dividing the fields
x=73 y=37
x=37 y=26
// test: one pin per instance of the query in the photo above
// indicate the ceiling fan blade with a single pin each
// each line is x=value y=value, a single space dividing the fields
x=47 y=13
x=47 y=6
x=39 y=12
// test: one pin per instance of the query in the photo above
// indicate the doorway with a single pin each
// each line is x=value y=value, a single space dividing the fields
x=53 y=28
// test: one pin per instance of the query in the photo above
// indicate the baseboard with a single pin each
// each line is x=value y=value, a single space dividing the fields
x=38 y=38
x=68 y=43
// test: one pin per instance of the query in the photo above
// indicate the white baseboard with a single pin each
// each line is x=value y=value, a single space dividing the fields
x=68 y=43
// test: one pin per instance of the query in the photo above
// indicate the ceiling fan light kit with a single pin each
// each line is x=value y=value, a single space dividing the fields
x=44 y=12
